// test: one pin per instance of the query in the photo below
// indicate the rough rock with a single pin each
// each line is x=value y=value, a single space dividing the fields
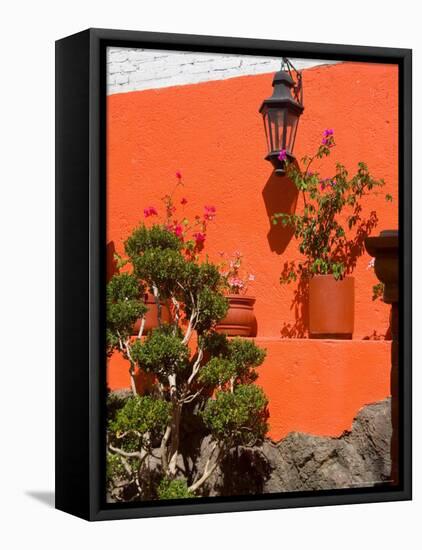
x=303 y=462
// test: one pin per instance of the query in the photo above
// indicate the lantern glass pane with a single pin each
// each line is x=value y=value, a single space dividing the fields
x=267 y=131
x=276 y=123
x=290 y=130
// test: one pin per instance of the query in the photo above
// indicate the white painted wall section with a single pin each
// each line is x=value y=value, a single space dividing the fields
x=135 y=69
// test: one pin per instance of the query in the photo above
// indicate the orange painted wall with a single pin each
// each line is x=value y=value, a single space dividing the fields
x=212 y=132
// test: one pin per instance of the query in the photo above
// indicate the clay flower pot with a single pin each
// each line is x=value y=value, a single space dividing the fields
x=331 y=307
x=240 y=319
x=151 y=316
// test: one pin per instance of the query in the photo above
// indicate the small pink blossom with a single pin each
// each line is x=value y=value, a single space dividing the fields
x=235 y=282
x=251 y=277
x=178 y=230
x=328 y=137
x=184 y=201
x=283 y=155
x=209 y=212
x=150 y=211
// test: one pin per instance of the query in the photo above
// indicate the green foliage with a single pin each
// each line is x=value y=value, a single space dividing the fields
x=218 y=371
x=162 y=268
x=215 y=343
x=124 y=286
x=154 y=238
x=212 y=307
x=163 y=352
x=114 y=468
x=242 y=355
x=141 y=414
x=378 y=291
x=124 y=306
x=173 y=488
x=246 y=356
x=238 y=417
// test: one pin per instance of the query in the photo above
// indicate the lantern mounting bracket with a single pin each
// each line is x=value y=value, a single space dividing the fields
x=296 y=76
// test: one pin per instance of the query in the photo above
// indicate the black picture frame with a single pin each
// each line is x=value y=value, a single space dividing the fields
x=80 y=272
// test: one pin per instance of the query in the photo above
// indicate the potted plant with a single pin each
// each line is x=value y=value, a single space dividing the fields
x=331 y=231
x=240 y=319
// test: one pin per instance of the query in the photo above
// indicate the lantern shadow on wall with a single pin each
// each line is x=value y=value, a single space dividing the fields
x=280 y=195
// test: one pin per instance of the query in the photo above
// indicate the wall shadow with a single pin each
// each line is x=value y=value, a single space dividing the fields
x=280 y=195
x=300 y=308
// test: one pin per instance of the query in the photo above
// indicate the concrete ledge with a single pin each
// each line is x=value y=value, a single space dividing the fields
x=313 y=386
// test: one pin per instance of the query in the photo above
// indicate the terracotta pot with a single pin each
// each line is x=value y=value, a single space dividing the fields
x=331 y=307
x=151 y=316
x=240 y=319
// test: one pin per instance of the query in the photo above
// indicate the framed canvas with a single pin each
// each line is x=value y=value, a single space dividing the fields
x=233 y=274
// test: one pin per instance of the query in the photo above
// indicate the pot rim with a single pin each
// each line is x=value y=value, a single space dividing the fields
x=246 y=297
x=319 y=275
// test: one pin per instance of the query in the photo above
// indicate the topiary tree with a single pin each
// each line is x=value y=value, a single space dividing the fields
x=208 y=370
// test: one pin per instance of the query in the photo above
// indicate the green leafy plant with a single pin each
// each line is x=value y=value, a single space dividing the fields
x=331 y=228
x=209 y=377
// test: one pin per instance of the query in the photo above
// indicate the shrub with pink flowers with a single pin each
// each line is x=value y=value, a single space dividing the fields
x=202 y=383
x=192 y=233
x=331 y=227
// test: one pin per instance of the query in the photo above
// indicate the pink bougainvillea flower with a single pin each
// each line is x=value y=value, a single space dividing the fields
x=178 y=175
x=283 y=155
x=178 y=230
x=184 y=201
x=150 y=211
x=328 y=137
x=209 y=212
x=199 y=237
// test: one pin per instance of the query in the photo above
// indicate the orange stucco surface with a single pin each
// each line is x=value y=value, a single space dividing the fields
x=212 y=132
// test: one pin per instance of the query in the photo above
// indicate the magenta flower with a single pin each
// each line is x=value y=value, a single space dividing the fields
x=184 y=201
x=150 y=211
x=199 y=238
x=179 y=175
x=283 y=155
x=209 y=212
x=328 y=137
x=178 y=230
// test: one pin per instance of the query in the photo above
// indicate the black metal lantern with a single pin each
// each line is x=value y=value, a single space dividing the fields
x=281 y=114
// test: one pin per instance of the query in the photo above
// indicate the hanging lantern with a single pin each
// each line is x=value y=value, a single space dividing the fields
x=281 y=114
